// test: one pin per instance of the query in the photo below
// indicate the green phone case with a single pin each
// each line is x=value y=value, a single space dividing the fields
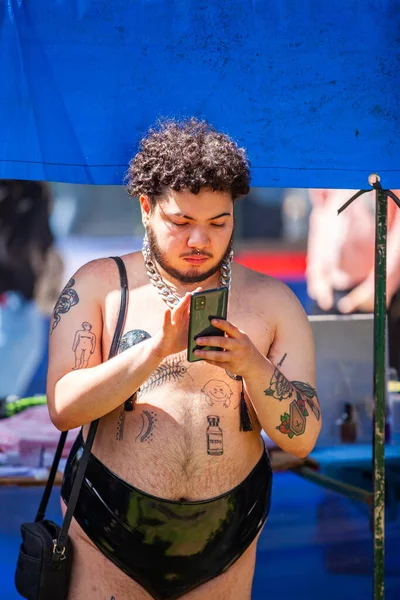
x=205 y=306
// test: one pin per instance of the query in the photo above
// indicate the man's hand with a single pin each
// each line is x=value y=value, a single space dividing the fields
x=238 y=353
x=173 y=336
x=320 y=290
x=360 y=299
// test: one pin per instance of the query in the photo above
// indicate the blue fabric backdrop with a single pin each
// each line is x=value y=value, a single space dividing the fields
x=311 y=88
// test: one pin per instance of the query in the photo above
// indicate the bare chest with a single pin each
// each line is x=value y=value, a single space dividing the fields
x=183 y=438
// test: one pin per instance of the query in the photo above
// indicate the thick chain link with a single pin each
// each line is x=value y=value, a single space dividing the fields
x=162 y=288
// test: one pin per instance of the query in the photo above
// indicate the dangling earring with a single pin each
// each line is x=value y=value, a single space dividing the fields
x=146 y=246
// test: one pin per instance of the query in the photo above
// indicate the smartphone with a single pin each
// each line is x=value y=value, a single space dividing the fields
x=205 y=306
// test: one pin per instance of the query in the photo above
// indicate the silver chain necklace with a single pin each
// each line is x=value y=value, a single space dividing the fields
x=169 y=297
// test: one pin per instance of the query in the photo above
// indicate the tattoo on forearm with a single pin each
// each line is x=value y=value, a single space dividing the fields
x=280 y=363
x=279 y=387
x=310 y=394
x=294 y=422
x=217 y=391
x=149 y=420
x=215 y=440
x=170 y=369
x=84 y=346
x=282 y=389
x=67 y=299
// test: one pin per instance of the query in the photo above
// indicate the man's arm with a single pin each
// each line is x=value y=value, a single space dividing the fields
x=362 y=297
x=93 y=343
x=76 y=341
x=393 y=251
x=78 y=397
x=319 y=250
x=282 y=386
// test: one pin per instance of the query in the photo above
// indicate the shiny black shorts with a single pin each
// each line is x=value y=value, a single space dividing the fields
x=168 y=547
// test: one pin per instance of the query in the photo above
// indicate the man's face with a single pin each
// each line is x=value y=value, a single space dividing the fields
x=190 y=235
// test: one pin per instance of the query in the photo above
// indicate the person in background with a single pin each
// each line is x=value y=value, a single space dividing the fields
x=30 y=281
x=341 y=259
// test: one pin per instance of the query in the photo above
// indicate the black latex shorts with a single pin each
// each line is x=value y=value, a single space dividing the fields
x=168 y=547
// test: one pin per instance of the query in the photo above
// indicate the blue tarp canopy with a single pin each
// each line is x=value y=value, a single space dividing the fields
x=311 y=88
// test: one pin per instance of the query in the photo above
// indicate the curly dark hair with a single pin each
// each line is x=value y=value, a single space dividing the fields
x=187 y=155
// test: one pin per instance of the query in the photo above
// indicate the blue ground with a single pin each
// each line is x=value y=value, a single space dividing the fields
x=316 y=544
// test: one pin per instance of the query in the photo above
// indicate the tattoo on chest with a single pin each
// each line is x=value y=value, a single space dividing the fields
x=132 y=338
x=216 y=391
x=170 y=369
x=293 y=423
x=129 y=339
x=67 y=299
x=215 y=439
x=149 y=420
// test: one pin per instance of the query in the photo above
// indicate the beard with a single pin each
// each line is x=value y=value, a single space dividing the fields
x=191 y=275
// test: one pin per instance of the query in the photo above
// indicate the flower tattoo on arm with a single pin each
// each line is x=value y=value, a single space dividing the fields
x=293 y=422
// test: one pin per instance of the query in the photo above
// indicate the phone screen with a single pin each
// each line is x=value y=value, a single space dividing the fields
x=205 y=306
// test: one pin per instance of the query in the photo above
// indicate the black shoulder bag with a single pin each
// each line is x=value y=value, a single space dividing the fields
x=45 y=557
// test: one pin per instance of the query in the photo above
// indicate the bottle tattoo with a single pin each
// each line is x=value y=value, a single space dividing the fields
x=215 y=444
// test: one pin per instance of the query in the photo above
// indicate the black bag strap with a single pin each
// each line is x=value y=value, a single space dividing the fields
x=59 y=546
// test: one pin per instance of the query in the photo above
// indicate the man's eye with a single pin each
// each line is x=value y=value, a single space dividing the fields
x=179 y=224
x=217 y=224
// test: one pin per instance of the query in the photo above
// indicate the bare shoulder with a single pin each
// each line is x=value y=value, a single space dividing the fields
x=102 y=273
x=99 y=269
x=266 y=291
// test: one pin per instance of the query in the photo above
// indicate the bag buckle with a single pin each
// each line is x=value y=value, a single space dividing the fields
x=59 y=553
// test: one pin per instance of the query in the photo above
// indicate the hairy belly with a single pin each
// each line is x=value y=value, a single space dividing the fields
x=180 y=444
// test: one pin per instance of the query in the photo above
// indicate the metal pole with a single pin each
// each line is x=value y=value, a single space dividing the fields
x=379 y=387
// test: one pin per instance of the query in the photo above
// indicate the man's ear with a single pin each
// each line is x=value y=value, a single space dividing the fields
x=145 y=207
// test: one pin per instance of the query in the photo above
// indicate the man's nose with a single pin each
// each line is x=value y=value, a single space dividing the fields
x=198 y=238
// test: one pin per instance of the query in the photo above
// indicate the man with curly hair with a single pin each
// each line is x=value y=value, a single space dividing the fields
x=176 y=494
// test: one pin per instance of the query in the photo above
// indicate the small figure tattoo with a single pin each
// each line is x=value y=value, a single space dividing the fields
x=215 y=441
x=67 y=299
x=149 y=419
x=217 y=391
x=84 y=345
